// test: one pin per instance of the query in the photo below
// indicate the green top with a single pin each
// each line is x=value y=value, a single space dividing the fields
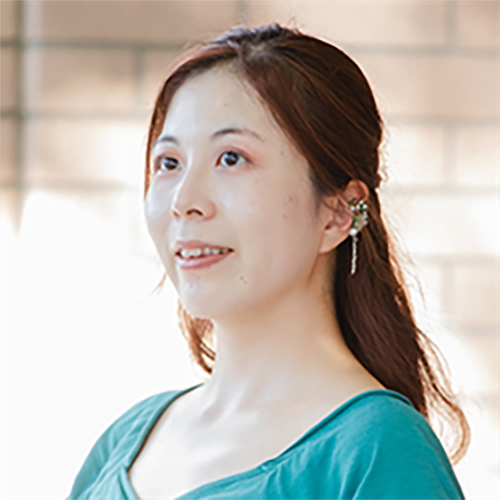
x=374 y=446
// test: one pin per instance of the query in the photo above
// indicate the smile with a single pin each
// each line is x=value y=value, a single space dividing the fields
x=202 y=260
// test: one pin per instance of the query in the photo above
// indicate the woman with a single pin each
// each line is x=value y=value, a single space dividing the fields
x=261 y=198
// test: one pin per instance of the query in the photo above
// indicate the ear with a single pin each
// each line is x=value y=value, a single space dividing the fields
x=339 y=216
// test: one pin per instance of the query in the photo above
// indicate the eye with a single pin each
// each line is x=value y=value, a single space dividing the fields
x=227 y=159
x=166 y=163
x=230 y=158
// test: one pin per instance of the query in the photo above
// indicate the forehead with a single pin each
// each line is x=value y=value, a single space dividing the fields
x=219 y=98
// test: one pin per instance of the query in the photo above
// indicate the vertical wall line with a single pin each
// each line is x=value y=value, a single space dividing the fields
x=451 y=25
x=449 y=161
x=20 y=120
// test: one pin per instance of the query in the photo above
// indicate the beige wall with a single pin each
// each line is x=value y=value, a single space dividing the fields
x=77 y=82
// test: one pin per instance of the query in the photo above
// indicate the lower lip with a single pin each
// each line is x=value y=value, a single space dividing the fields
x=200 y=262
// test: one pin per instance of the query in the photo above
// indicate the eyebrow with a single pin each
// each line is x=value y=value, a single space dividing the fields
x=218 y=133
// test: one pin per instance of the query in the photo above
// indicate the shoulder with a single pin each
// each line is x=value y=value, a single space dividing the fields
x=118 y=439
x=131 y=421
x=384 y=448
x=380 y=417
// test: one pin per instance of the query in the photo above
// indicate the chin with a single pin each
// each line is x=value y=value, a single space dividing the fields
x=202 y=307
x=213 y=306
x=198 y=312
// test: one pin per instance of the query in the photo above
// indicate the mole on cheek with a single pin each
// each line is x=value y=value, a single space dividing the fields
x=243 y=280
x=290 y=200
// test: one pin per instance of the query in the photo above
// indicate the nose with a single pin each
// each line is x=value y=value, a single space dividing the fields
x=192 y=197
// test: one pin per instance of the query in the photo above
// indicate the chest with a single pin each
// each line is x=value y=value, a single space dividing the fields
x=181 y=454
x=174 y=462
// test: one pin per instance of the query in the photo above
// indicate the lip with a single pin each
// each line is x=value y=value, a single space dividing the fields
x=200 y=262
x=181 y=244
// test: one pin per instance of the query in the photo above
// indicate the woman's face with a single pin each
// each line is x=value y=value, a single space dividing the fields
x=224 y=173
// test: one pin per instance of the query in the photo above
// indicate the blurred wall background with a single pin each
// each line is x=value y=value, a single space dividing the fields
x=84 y=339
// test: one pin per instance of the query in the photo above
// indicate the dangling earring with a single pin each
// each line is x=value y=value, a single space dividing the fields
x=359 y=221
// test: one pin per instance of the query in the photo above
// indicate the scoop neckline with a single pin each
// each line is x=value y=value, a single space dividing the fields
x=248 y=473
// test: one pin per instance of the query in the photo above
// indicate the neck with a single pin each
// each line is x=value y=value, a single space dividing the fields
x=278 y=352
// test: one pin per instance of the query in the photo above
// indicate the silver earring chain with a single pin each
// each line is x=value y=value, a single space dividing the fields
x=359 y=221
x=354 y=253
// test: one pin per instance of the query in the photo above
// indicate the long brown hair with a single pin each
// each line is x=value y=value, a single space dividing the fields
x=323 y=102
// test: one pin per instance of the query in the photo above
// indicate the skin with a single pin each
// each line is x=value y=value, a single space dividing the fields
x=279 y=348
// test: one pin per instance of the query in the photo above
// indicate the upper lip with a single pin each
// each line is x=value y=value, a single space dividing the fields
x=181 y=244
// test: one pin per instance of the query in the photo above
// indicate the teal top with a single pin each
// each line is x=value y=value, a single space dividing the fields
x=374 y=446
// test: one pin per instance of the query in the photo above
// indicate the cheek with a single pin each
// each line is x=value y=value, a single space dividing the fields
x=158 y=221
x=294 y=226
x=290 y=207
x=157 y=215
x=243 y=204
x=299 y=231
x=293 y=211
x=279 y=229
x=156 y=202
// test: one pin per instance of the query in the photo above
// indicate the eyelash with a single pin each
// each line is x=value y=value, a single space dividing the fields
x=158 y=162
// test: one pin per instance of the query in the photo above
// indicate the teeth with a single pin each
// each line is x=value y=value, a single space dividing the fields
x=197 y=252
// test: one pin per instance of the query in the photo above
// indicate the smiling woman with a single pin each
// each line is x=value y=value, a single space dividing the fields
x=261 y=199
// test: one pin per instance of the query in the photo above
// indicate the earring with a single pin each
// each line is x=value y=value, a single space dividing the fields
x=359 y=221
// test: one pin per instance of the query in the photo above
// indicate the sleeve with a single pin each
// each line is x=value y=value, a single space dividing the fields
x=396 y=455
x=102 y=450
